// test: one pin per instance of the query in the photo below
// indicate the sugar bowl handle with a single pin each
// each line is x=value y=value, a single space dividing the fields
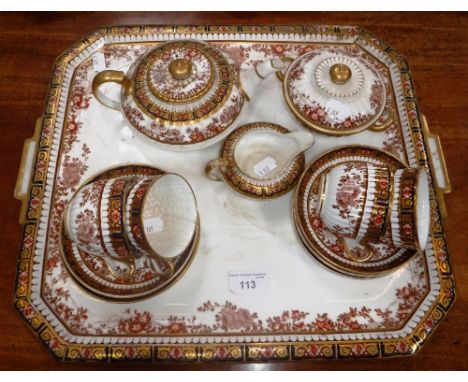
x=215 y=168
x=111 y=76
x=381 y=126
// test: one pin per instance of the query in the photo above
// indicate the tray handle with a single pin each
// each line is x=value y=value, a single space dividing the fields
x=437 y=165
x=23 y=181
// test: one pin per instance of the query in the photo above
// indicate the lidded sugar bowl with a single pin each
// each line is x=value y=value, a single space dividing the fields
x=336 y=91
x=184 y=94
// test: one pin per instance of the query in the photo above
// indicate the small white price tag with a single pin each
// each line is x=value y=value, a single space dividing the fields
x=248 y=282
x=337 y=111
x=99 y=62
x=265 y=166
x=154 y=225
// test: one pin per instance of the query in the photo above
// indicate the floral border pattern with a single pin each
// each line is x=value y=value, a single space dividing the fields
x=208 y=352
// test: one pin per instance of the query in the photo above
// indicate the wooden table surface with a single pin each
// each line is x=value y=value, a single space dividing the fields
x=436 y=46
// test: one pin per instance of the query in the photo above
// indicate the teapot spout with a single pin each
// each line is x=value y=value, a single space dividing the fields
x=262 y=71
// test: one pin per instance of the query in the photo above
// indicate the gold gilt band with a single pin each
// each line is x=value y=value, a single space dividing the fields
x=363 y=198
x=159 y=55
x=380 y=207
x=117 y=197
x=136 y=229
x=222 y=93
x=406 y=205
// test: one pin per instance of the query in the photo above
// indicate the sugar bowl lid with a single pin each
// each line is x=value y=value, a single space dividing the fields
x=183 y=80
x=335 y=91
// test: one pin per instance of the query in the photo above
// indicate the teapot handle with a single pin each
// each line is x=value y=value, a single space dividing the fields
x=111 y=76
x=214 y=169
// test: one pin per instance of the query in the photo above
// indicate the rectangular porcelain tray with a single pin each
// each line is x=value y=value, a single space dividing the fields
x=306 y=310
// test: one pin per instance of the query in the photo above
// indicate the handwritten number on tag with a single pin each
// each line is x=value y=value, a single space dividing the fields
x=265 y=166
x=337 y=111
x=153 y=225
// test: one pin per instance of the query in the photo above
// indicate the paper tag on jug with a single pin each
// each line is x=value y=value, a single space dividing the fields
x=153 y=225
x=265 y=166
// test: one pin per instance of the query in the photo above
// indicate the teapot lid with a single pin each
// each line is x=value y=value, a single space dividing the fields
x=182 y=80
x=335 y=91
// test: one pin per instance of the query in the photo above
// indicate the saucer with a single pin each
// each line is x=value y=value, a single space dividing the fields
x=108 y=278
x=325 y=245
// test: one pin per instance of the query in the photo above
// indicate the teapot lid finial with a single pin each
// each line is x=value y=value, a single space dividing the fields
x=180 y=68
x=340 y=73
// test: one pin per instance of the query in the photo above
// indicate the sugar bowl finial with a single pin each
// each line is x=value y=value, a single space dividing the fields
x=340 y=73
x=180 y=68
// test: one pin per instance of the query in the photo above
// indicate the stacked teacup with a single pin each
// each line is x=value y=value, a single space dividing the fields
x=127 y=217
x=361 y=201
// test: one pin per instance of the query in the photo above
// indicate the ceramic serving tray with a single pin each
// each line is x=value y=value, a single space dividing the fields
x=298 y=309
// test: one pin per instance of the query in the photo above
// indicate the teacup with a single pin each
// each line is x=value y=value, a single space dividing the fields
x=93 y=219
x=83 y=218
x=410 y=209
x=261 y=159
x=103 y=216
x=161 y=218
x=354 y=201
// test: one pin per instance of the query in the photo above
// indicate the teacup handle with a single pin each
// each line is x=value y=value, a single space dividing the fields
x=129 y=262
x=168 y=263
x=370 y=251
x=111 y=76
x=215 y=168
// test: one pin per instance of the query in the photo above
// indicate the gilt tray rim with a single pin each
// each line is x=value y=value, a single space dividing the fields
x=289 y=350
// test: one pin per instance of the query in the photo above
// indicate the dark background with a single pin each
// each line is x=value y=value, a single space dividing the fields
x=436 y=46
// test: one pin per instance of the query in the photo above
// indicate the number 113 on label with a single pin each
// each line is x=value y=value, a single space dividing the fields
x=248 y=282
